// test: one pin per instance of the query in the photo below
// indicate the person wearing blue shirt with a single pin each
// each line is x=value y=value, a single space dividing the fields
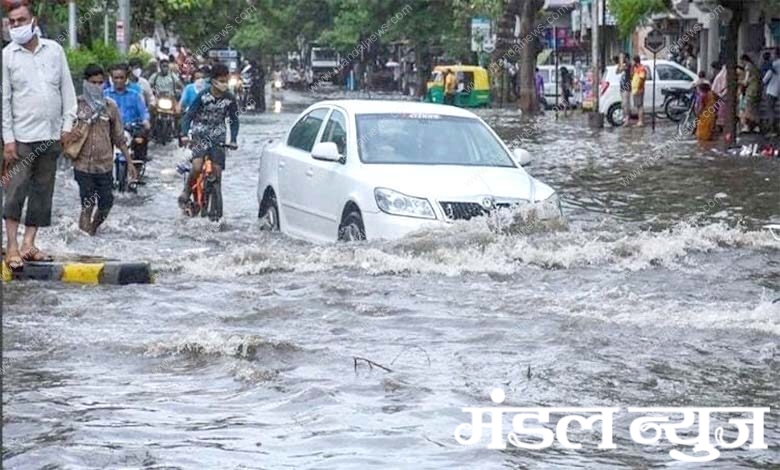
x=192 y=90
x=132 y=86
x=130 y=103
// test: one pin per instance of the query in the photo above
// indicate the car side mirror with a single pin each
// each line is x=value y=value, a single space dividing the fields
x=326 y=151
x=522 y=157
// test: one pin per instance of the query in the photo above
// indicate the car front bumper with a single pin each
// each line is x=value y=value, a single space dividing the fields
x=536 y=217
x=379 y=225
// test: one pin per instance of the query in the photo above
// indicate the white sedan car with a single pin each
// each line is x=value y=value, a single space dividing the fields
x=668 y=75
x=359 y=169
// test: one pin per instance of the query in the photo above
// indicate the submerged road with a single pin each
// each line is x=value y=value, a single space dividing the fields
x=241 y=355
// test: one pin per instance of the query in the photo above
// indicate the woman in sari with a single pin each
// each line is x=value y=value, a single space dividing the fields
x=706 y=112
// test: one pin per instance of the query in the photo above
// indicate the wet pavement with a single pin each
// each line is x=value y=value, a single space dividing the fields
x=241 y=355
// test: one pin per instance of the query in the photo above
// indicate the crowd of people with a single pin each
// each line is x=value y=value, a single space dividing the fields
x=43 y=118
x=757 y=88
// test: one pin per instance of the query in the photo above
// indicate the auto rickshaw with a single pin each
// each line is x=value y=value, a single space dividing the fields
x=472 y=89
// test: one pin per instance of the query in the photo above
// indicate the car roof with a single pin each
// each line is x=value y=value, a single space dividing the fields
x=458 y=68
x=395 y=106
x=650 y=62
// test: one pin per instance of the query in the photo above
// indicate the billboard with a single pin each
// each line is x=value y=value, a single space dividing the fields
x=483 y=37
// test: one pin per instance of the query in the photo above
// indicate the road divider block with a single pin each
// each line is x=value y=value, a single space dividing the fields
x=111 y=273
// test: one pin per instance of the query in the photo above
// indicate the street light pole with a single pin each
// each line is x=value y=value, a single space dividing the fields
x=123 y=41
x=105 y=23
x=72 y=30
x=595 y=118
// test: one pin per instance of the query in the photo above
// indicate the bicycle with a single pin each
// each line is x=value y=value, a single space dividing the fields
x=206 y=191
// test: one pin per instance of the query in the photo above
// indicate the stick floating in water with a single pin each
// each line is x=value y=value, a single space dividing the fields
x=370 y=363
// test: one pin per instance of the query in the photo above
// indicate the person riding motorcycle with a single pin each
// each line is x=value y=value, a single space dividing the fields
x=166 y=85
x=131 y=104
x=136 y=76
x=206 y=119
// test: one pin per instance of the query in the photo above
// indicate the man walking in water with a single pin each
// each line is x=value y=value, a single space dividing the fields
x=39 y=107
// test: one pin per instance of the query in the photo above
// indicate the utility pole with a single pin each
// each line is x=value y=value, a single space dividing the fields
x=123 y=26
x=595 y=118
x=106 y=38
x=72 y=30
x=603 y=37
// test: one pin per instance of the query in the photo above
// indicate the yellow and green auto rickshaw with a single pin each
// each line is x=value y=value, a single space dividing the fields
x=472 y=89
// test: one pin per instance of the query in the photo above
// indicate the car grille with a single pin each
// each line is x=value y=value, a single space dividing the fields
x=462 y=210
x=468 y=210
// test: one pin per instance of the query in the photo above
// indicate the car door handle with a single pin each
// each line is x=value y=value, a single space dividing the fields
x=310 y=172
x=281 y=164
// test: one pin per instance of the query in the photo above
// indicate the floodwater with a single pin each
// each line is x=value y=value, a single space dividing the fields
x=242 y=354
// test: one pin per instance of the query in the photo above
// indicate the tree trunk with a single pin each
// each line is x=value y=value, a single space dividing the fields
x=730 y=57
x=505 y=41
x=526 y=75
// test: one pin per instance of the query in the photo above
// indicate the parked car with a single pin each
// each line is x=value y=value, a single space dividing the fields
x=551 y=87
x=669 y=75
x=360 y=169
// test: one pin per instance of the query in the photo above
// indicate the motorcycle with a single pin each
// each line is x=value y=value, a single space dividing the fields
x=244 y=101
x=206 y=191
x=294 y=80
x=135 y=137
x=165 y=124
x=677 y=102
x=686 y=126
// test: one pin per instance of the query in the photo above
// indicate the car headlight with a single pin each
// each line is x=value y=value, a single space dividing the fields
x=395 y=203
x=549 y=208
x=165 y=104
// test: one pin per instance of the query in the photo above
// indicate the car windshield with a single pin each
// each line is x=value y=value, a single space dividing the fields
x=428 y=139
x=324 y=54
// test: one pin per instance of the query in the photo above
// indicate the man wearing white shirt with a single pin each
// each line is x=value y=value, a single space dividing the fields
x=39 y=107
x=772 y=84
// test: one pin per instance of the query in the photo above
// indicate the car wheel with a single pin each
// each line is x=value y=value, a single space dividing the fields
x=269 y=214
x=615 y=115
x=352 y=228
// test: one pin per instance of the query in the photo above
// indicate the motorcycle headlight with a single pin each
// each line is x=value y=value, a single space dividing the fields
x=395 y=203
x=165 y=104
x=232 y=82
x=278 y=84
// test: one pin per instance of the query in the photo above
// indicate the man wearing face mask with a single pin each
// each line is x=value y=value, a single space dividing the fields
x=192 y=90
x=93 y=167
x=207 y=117
x=136 y=76
x=165 y=83
x=39 y=107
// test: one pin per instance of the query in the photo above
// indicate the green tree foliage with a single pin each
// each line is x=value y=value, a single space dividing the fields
x=630 y=13
x=78 y=59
